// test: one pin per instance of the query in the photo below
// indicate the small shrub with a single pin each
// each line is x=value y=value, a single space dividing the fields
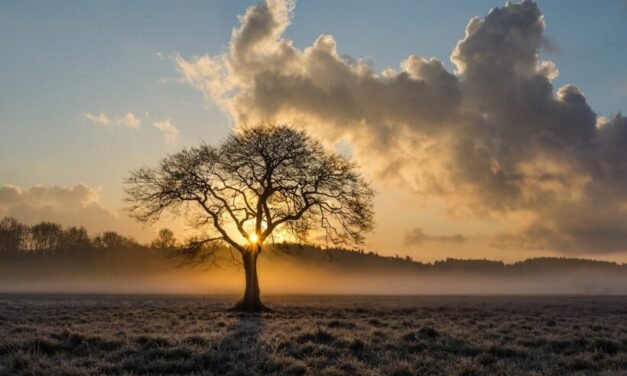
x=319 y=336
x=409 y=337
x=486 y=359
x=607 y=346
x=44 y=346
x=400 y=369
x=196 y=341
x=468 y=371
x=341 y=324
x=428 y=332
x=19 y=362
x=503 y=351
x=357 y=346
x=579 y=364
x=151 y=342
x=377 y=323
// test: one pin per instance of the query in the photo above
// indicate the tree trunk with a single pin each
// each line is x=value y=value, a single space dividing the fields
x=251 y=301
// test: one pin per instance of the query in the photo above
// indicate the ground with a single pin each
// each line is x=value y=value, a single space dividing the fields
x=313 y=336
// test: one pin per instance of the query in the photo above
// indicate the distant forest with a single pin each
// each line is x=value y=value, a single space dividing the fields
x=50 y=240
x=47 y=238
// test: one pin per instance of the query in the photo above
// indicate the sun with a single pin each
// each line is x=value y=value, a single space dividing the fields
x=253 y=238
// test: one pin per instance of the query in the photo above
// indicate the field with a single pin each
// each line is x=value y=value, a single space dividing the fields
x=313 y=336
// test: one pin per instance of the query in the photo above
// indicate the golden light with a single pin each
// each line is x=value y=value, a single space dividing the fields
x=253 y=238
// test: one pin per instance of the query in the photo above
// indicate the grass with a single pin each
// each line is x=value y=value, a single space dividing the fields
x=84 y=335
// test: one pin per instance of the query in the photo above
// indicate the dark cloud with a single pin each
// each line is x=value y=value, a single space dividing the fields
x=417 y=236
x=494 y=139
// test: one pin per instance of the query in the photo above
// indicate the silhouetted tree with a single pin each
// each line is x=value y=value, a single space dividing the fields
x=165 y=239
x=261 y=180
x=46 y=236
x=75 y=238
x=113 y=240
x=13 y=235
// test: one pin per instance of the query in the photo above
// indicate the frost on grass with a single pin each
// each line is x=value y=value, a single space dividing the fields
x=83 y=335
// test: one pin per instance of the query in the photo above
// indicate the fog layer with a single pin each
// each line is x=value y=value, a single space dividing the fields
x=301 y=270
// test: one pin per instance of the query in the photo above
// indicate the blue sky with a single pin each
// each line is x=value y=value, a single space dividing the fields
x=63 y=59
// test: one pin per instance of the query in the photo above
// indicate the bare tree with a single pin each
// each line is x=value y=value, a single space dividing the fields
x=75 y=239
x=165 y=239
x=13 y=235
x=260 y=181
x=113 y=240
x=46 y=237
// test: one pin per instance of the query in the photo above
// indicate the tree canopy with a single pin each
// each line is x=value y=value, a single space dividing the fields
x=261 y=181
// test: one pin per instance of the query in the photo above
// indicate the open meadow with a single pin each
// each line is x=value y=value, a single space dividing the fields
x=313 y=335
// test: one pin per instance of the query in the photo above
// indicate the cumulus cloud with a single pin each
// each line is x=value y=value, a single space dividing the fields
x=167 y=128
x=70 y=198
x=494 y=138
x=100 y=119
x=128 y=120
x=417 y=236
x=70 y=206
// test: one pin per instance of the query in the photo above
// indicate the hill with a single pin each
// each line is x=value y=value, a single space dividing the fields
x=360 y=261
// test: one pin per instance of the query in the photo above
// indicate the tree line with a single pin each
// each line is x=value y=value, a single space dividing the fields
x=46 y=238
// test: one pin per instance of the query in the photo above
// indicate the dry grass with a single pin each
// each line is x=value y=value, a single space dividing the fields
x=313 y=336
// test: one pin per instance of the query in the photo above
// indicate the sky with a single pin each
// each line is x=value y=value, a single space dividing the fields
x=474 y=149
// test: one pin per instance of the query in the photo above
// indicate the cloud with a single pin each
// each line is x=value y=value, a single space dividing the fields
x=70 y=206
x=493 y=139
x=100 y=119
x=417 y=236
x=167 y=128
x=128 y=120
x=70 y=198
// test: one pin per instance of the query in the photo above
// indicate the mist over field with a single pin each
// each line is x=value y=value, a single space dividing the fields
x=303 y=270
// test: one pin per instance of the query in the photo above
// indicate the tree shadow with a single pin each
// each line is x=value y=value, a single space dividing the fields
x=242 y=350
